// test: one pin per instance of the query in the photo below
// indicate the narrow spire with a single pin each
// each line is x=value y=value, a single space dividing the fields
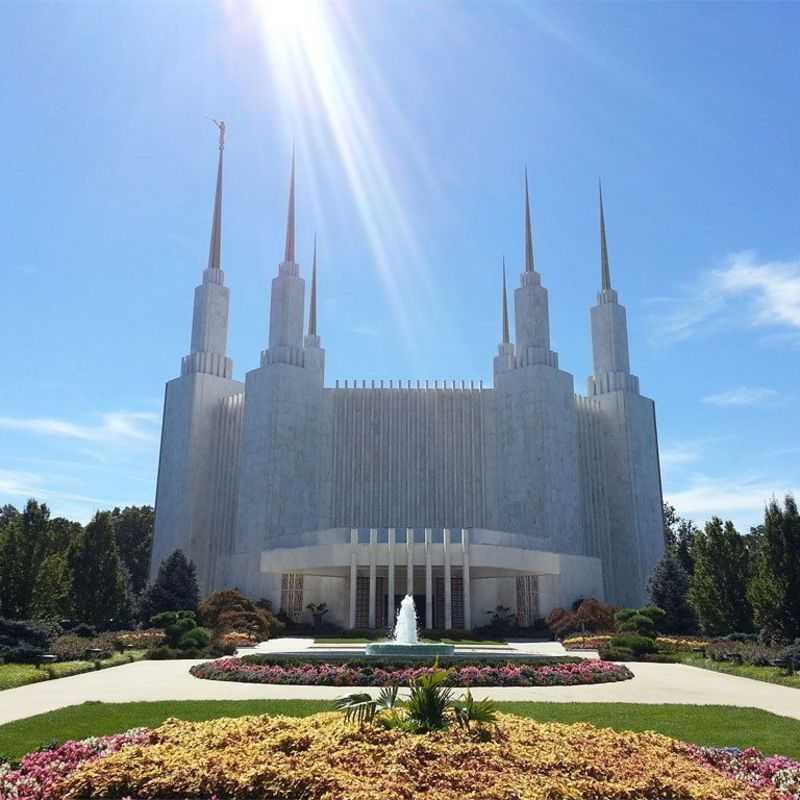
x=289 y=253
x=506 y=337
x=606 y=272
x=528 y=231
x=312 y=311
x=215 y=247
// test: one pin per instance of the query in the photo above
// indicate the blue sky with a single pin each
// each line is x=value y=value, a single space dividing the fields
x=413 y=122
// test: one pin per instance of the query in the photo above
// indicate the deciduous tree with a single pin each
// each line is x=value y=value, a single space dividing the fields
x=775 y=587
x=718 y=586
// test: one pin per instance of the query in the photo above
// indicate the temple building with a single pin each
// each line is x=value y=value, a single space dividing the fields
x=523 y=494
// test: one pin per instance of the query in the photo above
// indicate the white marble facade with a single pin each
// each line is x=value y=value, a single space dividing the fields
x=523 y=494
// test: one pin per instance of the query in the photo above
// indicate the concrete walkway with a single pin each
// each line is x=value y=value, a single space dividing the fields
x=170 y=680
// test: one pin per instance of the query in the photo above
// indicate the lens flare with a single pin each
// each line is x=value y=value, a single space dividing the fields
x=327 y=108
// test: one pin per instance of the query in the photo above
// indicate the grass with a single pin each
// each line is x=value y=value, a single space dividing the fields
x=706 y=725
x=13 y=675
x=768 y=674
x=361 y=640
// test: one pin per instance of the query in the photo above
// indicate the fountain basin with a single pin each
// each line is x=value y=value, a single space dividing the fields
x=409 y=649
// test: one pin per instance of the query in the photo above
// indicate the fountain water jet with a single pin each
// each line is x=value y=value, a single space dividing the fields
x=405 y=641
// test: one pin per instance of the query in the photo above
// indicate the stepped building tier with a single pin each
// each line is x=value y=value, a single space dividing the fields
x=468 y=497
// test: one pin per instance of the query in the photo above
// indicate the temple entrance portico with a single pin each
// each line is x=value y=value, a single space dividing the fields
x=457 y=577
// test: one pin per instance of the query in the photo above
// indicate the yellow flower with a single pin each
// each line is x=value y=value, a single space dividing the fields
x=322 y=758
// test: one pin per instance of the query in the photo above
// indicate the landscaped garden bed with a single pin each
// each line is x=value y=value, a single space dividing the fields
x=391 y=673
x=323 y=756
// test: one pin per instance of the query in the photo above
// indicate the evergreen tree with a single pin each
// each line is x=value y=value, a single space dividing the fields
x=11 y=572
x=98 y=585
x=669 y=588
x=23 y=548
x=718 y=587
x=175 y=588
x=133 y=528
x=775 y=587
x=52 y=590
x=61 y=533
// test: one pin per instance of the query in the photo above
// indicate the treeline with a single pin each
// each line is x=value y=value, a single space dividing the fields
x=52 y=568
x=720 y=581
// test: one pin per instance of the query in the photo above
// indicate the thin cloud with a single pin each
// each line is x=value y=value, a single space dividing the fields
x=28 y=484
x=738 y=498
x=680 y=453
x=742 y=396
x=118 y=426
x=763 y=294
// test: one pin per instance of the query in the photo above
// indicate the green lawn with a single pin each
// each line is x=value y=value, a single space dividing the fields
x=13 y=675
x=769 y=674
x=709 y=725
x=361 y=640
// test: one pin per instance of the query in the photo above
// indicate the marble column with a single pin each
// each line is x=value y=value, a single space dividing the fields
x=428 y=581
x=448 y=582
x=353 y=575
x=390 y=581
x=373 y=539
x=465 y=580
x=410 y=561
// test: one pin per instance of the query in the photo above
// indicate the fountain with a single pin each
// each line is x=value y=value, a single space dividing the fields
x=405 y=641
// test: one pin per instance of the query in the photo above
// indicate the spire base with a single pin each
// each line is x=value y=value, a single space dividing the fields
x=213 y=275
x=617 y=381
x=207 y=364
x=607 y=296
x=531 y=278
x=289 y=268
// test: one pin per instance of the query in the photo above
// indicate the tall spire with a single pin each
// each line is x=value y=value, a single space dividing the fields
x=312 y=310
x=528 y=232
x=606 y=272
x=215 y=247
x=506 y=336
x=289 y=252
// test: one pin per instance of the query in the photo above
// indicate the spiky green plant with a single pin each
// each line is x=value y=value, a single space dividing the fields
x=468 y=710
x=429 y=701
x=358 y=707
x=361 y=707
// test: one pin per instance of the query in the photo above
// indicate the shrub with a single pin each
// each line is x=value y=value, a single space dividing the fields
x=83 y=630
x=644 y=621
x=502 y=620
x=23 y=654
x=616 y=654
x=791 y=655
x=70 y=647
x=638 y=645
x=589 y=616
x=741 y=637
x=230 y=610
x=171 y=653
x=176 y=624
x=752 y=653
x=194 y=639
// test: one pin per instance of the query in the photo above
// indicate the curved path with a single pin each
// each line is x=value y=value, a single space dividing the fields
x=170 y=680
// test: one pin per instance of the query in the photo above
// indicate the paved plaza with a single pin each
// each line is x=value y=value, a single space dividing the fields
x=170 y=680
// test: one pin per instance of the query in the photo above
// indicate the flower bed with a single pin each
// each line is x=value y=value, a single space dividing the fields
x=682 y=644
x=362 y=674
x=663 y=643
x=588 y=642
x=39 y=774
x=323 y=757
